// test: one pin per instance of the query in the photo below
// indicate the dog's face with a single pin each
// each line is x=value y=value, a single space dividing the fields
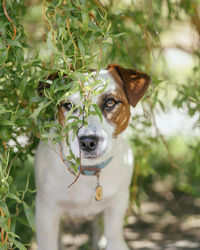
x=96 y=141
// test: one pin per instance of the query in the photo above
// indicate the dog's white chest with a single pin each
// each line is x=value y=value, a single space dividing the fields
x=79 y=200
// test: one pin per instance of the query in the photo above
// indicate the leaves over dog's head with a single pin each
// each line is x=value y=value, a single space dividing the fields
x=125 y=88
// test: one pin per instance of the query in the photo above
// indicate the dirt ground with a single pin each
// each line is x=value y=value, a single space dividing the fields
x=164 y=221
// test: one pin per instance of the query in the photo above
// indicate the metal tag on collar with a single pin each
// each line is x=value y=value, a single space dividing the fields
x=98 y=190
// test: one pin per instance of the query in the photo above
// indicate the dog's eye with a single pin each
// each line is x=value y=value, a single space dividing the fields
x=110 y=103
x=67 y=105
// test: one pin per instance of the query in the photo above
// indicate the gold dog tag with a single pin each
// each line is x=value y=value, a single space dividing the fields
x=99 y=193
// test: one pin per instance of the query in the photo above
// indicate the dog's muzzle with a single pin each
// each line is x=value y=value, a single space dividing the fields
x=88 y=143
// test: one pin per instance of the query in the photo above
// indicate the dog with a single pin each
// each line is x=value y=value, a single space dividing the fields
x=106 y=162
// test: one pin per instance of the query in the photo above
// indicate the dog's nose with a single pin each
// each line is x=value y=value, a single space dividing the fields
x=88 y=143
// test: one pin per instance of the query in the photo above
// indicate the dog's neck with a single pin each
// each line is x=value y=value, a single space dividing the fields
x=95 y=169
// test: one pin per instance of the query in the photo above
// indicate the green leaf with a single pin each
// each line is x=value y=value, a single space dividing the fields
x=3 y=223
x=85 y=18
x=119 y=34
x=66 y=87
x=51 y=125
x=14 y=197
x=100 y=88
x=51 y=46
x=68 y=44
x=98 y=111
x=4 y=208
x=50 y=135
x=3 y=55
x=3 y=110
x=14 y=43
x=3 y=246
x=41 y=106
x=18 y=244
x=81 y=47
x=29 y=215
x=7 y=123
x=22 y=86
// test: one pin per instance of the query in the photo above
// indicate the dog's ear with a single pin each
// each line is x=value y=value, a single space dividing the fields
x=44 y=85
x=134 y=83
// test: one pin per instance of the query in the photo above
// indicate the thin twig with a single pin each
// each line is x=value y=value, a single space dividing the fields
x=2 y=231
x=80 y=170
x=63 y=160
x=4 y=145
x=11 y=21
x=63 y=54
x=9 y=224
x=94 y=18
x=17 y=154
x=100 y=5
x=70 y=34
x=24 y=105
x=44 y=16
x=79 y=173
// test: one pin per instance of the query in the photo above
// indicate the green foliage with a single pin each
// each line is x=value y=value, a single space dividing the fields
x=77 y=36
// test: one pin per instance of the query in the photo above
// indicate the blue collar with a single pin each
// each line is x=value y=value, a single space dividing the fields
x=93 y=170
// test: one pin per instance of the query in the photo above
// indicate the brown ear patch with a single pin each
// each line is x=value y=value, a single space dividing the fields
x=134 y=82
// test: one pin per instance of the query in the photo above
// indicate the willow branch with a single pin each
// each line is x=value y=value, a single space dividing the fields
x=11 y=21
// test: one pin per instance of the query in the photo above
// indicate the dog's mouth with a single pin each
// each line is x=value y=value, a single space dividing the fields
x=95 y=159
x=92 y=155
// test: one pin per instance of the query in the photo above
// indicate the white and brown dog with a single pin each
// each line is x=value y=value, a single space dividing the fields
x=102 y=148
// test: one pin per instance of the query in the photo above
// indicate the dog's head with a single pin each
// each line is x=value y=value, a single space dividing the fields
x=96 y=140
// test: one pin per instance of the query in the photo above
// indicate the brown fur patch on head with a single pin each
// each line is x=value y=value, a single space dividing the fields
x=120 y=114
x=132 y=85
x=121 y=118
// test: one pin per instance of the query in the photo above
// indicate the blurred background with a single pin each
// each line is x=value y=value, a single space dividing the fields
x=160 y=37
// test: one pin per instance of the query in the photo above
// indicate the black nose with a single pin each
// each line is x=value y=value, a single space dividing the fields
x=88 y=143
